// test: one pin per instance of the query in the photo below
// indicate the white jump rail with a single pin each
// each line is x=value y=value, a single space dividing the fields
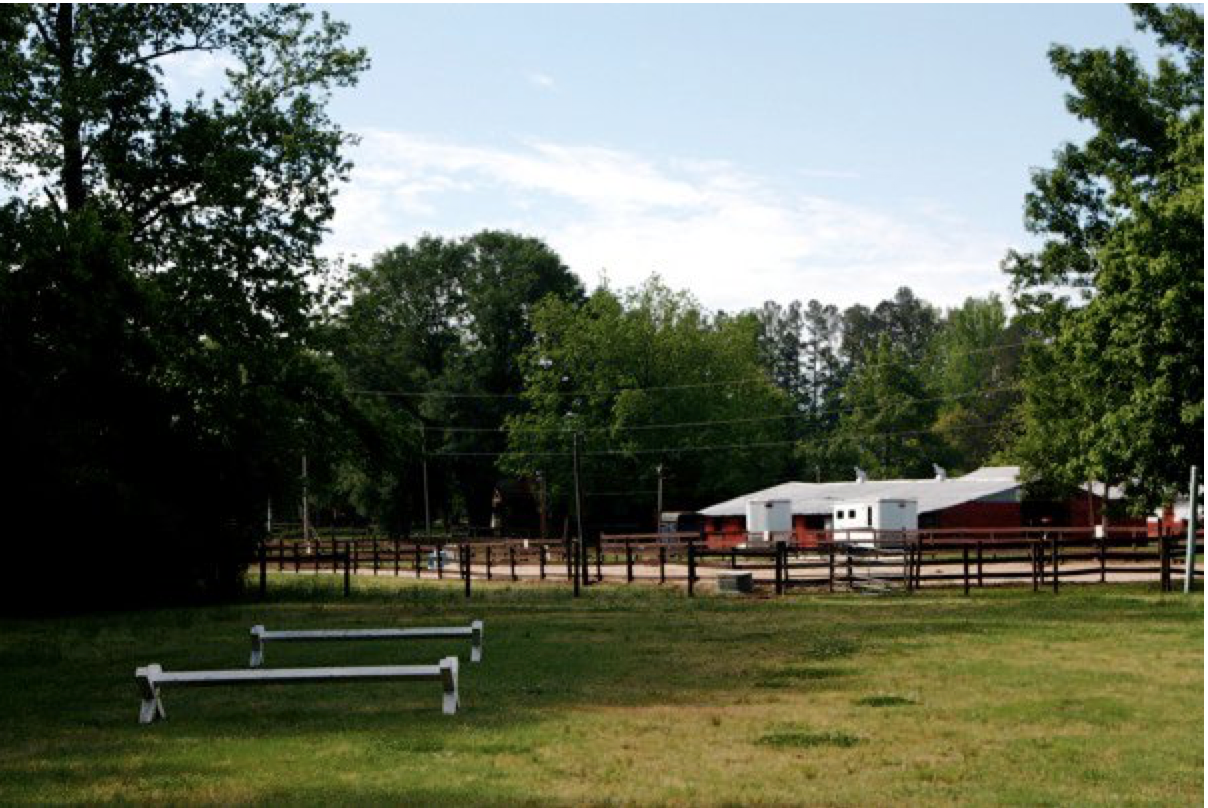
x=152 y=677
x=261 y=635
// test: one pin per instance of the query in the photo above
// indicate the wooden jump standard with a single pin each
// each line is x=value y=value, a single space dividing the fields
x=152 y=677
x=261 y=635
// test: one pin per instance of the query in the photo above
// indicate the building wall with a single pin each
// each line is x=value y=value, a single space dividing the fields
x=976 y=515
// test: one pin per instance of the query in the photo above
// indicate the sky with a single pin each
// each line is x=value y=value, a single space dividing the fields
x=747 y=153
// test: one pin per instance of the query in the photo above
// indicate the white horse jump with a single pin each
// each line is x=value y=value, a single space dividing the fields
x=152 y=677
x=261 y=635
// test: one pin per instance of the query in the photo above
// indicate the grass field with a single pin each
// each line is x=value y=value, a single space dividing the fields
x=629 y=695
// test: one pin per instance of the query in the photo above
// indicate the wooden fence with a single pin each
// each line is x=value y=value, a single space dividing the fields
x=904 y=560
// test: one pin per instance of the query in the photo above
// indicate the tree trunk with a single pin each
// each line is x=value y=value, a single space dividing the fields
x=70 y=121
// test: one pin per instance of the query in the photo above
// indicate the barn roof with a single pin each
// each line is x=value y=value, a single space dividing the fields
x=932 y=494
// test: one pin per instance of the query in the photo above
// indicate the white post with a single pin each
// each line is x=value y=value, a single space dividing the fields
x=1194 y=505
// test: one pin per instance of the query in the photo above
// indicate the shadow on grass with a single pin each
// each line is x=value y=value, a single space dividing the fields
x=68 y=696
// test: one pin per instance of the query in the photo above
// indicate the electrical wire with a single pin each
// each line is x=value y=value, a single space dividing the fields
x=720 y=422
x=761 y=379
x=716 y=446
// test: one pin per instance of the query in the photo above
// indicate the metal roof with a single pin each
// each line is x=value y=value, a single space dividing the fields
x=809 y=499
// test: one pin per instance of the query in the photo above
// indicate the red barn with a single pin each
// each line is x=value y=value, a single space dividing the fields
x=991 y=497
x=987 y=498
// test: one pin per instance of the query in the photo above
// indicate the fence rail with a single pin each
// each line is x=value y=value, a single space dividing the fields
x=903 y=560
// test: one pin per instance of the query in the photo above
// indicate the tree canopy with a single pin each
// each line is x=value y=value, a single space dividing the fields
x=157 y=286
x=1114 y=381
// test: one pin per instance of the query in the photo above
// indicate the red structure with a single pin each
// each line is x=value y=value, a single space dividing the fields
x=984 y=499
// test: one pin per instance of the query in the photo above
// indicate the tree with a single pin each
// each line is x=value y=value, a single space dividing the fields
x=973 y=373
x=157 y=261
x=1114 y=383
x=887 y=425
x=648 y=379
x=443 y=323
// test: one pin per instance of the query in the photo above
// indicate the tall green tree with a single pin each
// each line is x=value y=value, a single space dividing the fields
x=1115 y=295
x=973 y=375
x=648 y=378
x=887 y=423
x=438 y=328
x=158 y=260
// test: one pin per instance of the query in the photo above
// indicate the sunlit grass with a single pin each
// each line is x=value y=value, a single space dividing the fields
x=630 y=694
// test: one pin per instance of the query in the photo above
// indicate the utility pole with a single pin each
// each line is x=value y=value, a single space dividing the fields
x=541 y=503
x=305 y=503
x=1193 y=503
x=423 y=444
x=658 y=509
x=581 y=569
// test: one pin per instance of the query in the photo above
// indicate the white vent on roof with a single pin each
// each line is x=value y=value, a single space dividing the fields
x=861 y=475
x=940 y=472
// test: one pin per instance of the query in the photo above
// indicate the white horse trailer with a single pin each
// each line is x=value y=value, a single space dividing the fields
x=768 y=521
x=861 y=520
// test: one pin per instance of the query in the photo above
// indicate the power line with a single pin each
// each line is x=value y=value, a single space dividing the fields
x=761 y=379
x=714 y=446
x=720 y=422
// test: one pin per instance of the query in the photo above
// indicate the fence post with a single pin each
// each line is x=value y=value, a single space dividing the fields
x=541 y=560
x=466 y=560
x=1164 y=560
x=347 y=570
x=569 y=551
x=780 y=567
x=488 y=562
x=662 y=564
x=980 y=583
x=628 y=561
x=297 y=557
x=1056 y=565
x=263 y=571
x=575 y=549
x=375 y=554
x=965 y=562
x=512 y=560
x=1103 y=557
x=830 y=552
x=691 y=568
x=418 y=553
x=440 y=560
x=396 y=554
x=599 y=563
x=1035 y=571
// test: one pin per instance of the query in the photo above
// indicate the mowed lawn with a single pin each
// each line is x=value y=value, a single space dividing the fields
x=628 y=695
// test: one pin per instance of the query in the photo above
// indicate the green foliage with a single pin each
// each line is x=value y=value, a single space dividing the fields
x=886 y=428
x=974 y=369
x=445 y=322
x=1115 y=385
x=156 y=261
x=619 y=370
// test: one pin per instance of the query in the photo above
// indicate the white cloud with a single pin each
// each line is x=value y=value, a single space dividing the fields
x=188 y=72
x=542 y=80
x=733 y=238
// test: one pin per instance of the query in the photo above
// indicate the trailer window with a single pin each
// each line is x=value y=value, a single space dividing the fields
x=870 y=516
x=851 y=514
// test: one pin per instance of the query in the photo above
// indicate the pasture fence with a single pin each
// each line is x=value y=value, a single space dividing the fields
x=864 y=560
